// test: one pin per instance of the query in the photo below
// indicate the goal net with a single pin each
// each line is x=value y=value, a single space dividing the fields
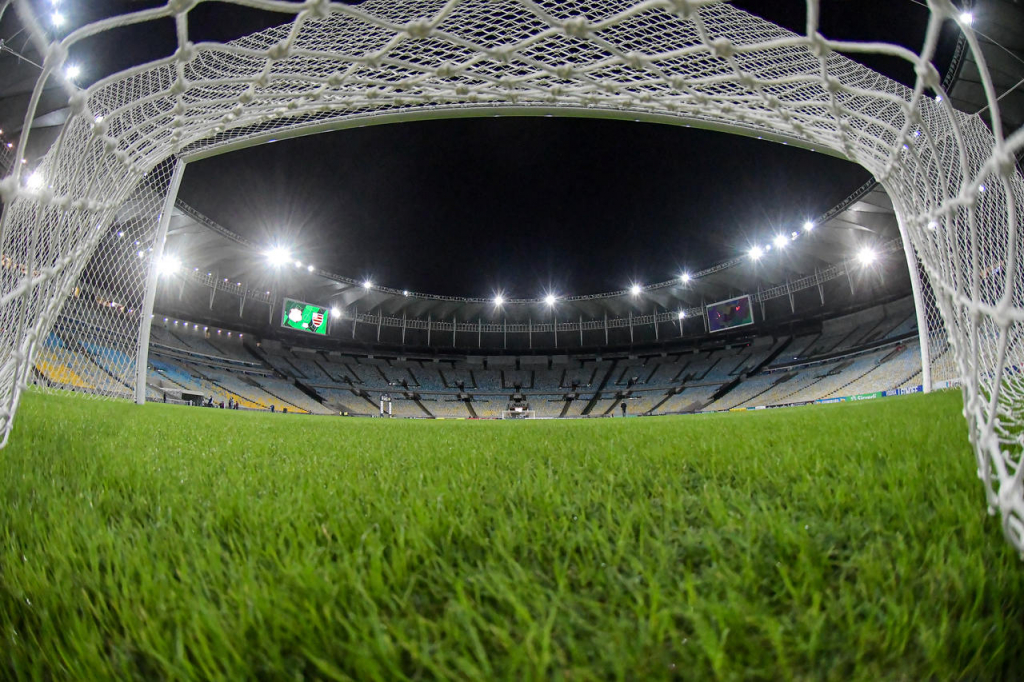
x=951 y=177
x=518 y=414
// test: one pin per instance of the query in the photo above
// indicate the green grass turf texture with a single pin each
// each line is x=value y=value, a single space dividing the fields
x=828 y=542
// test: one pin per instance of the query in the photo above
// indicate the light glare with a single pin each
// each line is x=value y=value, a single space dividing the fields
x=781 y=241
x=550 y=299
x=867 y=256
x=755 y=253
x=278 y=256
x=808 y=226
x=168 y=264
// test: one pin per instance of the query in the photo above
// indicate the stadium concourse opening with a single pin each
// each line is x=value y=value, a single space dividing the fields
x=698 y=531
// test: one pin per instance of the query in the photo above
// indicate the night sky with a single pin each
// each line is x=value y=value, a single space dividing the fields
x=526 y=205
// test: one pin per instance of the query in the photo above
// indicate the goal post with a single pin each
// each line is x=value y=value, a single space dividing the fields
x=952 y=177
x=518 y=414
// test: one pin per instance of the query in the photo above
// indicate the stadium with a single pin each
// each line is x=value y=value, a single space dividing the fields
x=388 y=340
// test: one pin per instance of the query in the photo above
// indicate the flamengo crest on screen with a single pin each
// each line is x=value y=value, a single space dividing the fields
x=304 y=317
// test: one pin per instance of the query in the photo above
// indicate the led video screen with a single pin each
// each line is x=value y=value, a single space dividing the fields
x=304 y=317
x=736 y=312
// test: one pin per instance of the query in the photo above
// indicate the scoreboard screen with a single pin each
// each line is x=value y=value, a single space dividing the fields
x=736 y=312
x=304 y=317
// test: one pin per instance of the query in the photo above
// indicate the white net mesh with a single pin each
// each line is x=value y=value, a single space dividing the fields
x=952 y=179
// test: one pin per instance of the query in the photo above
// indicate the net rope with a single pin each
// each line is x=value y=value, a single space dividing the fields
x=951 y=176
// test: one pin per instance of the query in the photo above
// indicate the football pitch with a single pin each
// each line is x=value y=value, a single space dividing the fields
x=838 y=542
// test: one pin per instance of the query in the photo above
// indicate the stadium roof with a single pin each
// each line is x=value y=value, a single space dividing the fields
x=867 y=218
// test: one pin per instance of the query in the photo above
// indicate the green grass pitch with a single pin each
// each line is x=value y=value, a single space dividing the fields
x=826 y=542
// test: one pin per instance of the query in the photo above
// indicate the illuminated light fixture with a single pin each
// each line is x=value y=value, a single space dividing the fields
x=682 y=315
x=57 y=19
x=298 y=264
x=932 y=225
x=34 y=181
x=938 y=98
x=165 y=319
x=981 y=188
x=635 y=289
x=310 y=267
x=967 y=18
x=808 y=226
x=168 y=264
x=278 y=255
x=367 y=284
x=140 y=254
x=755 y=253
x=336 y=311
x=206 y=329
x=866 y=256
x=498 y=300
x=794 y=235
x=405 y=293
x=685 y=277
x=780 y=241
x=99 y=118
x=550 y=299
x=73 y=71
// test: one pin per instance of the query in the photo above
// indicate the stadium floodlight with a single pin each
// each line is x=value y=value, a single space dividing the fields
x=57 y=19
x=498 y=300
x=168 y=264
x=278 y=255
x=550 y=300
x=808 y=226
x=780 y=241
x=866 y=256
x=298 y=264
x=310 y=268
x=682 y=314
x=932 y=225
x=367 y=284
x=967 y=18
x=72 y=71
x=335 y=311
x=34 y=181
x=635 y=289
x=685 y=277
x=755 y=253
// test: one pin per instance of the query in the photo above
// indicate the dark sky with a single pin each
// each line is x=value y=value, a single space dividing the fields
x=525 y=205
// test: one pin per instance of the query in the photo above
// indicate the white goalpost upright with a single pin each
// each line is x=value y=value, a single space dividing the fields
x=951 y=177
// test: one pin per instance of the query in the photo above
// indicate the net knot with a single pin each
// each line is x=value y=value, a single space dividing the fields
x=683 y=8
x=1004 y=161
x=419 y=28
x=185 y=53
x=722 y=47
x=565 y=71
x=277 y=51
x=319 y=8
x=446 y=70
x=576 y=27
x=56 y=55
x=818 y=46
x=928 y=74
x=636 y=60
x=181 y=6
x=77 y=103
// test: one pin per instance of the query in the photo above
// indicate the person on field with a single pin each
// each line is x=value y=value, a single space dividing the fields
x=623 y=406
